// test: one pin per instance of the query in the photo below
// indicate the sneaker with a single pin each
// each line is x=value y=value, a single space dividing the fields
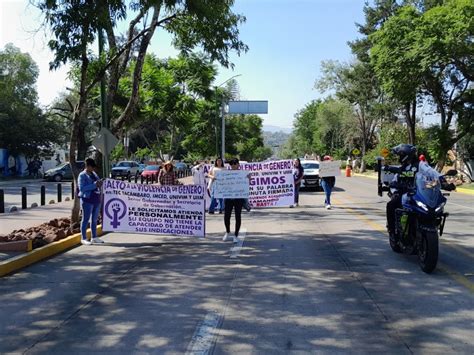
x=297 y=204
x=292 y=206
x=328 y=207
x=97 y=241
x=235 y=239
x=220 y=212
x=226 y=237
x=211 y=212
x=85 y=242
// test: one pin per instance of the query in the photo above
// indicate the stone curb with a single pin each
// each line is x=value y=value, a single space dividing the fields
x=21 y=261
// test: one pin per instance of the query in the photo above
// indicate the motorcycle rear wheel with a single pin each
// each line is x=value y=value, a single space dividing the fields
x=428 y=249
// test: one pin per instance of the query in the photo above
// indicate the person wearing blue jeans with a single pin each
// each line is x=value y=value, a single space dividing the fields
x=89 y=185
x=327 y=184
x=218 y=165
x=214 y=203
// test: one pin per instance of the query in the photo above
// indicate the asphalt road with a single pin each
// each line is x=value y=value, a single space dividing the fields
x=304 y=280
x=12 y=192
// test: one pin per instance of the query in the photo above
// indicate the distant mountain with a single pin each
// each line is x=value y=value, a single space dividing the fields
x=273 y=129
x=275 y=140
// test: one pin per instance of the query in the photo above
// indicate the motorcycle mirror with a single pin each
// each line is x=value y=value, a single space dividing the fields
x=452 y=172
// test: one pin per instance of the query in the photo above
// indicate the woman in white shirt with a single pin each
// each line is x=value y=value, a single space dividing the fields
x=218 y=165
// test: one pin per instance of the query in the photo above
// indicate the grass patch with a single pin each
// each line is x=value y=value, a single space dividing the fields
x=467 y=186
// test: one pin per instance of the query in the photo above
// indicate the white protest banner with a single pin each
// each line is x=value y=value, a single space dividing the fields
x=231 y=184
x=329 y=168
x=154 y=209
x=272 y=188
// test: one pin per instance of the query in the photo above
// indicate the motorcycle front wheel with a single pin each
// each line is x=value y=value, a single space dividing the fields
x=428 y=250
x=394 y=243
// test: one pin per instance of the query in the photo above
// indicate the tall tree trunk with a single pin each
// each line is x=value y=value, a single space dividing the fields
x=80 y=114
x=131 y=107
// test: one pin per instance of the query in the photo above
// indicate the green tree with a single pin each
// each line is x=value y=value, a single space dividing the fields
x=24 y=129
x=431 y=52
x=356 y=84
x=207 y=24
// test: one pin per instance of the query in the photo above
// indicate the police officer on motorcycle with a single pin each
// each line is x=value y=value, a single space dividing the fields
x=404 y=180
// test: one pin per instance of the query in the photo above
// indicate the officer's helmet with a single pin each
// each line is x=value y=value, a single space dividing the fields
x=406 y=153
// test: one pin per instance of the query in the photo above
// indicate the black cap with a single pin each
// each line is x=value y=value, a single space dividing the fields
x=90 y=162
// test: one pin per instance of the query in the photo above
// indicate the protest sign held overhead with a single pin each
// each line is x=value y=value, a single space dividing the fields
x=330 y=168
x=154 y=209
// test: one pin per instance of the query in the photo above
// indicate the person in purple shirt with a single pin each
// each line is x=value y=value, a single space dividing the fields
x=89 y=185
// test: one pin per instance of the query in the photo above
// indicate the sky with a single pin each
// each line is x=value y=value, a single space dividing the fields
x=287 y=41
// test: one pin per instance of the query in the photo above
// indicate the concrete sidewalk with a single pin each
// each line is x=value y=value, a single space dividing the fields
x=33 y=216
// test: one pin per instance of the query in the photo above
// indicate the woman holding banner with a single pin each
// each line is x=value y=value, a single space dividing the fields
x=327 y=184
x=167 y=175
x=218 y=165
x=89 y=185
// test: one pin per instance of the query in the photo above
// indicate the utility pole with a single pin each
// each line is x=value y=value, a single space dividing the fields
x=222 y=116
x=103 y=109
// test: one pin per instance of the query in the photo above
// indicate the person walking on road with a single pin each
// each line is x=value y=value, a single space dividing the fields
x=298 y=173
x=167 y=175
x=327 y=184
x=89 y=185
x=218 y=165
x=233 y=203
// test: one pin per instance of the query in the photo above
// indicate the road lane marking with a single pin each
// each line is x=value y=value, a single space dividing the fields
x=457 y=204
x=205 y=335
x=235 y=250
x=378 y=227
x=458 y=277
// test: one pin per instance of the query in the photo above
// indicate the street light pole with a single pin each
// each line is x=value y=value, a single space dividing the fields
x=222 y=113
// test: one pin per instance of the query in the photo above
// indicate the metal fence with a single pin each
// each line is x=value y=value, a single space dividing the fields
x=59 y=189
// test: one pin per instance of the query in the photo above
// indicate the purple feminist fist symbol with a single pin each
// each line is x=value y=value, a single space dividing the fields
x=115 y=209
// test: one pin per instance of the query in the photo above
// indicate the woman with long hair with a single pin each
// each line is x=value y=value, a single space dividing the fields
x=218 y=165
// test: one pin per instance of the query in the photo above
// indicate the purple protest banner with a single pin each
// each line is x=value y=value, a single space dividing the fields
x=154 y=209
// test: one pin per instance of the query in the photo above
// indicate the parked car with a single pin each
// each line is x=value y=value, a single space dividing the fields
x=124 y=169
x=141 y=168
x=180 y=166
x=311 y=177
x=151 y=170
x=62 y=172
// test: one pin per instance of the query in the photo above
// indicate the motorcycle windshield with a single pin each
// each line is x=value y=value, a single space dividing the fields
x=429 y=189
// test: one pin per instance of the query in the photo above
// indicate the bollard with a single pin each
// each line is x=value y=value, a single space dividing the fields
x=72 y=191
x=60 y=193
x=23 y=198
x=43 y=195
x=141 y=179
x=153 y=178
x=2 y=201
x=136 y=178
x=147 y=179
x=129 y=178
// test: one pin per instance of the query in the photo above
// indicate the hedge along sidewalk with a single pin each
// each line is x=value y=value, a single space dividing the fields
x=458 y=189
x=23 y=260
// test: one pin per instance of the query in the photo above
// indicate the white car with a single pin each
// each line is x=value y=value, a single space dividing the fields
x=311 y=177
x=125 y=169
